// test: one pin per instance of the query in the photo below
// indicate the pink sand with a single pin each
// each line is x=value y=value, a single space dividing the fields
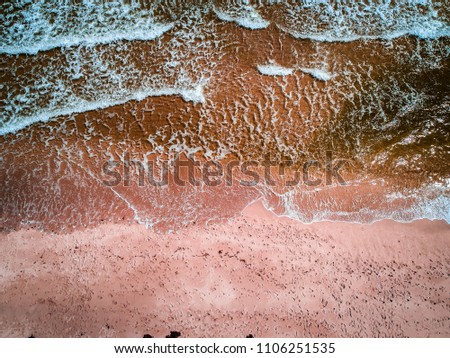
x=257 y=274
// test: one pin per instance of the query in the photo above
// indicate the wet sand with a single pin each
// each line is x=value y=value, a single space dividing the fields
x=256 y=274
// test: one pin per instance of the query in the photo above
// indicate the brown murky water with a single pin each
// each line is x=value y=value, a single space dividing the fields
x=279 y=84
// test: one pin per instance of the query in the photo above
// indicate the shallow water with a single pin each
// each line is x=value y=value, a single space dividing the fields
x=138 y=81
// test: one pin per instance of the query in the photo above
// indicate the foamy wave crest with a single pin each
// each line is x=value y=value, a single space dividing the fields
x=30 y=27
x=430 y=202
x=274 y=70
x=318 y=74
x=342 y=21
x=247 y=17
x=79 y=105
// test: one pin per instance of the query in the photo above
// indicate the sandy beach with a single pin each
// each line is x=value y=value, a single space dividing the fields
x=225 y=169
x=256 y=274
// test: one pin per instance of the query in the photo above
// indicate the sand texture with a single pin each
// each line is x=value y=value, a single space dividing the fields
x=256 y=274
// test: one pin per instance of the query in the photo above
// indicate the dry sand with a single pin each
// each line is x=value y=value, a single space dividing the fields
x=256 y=274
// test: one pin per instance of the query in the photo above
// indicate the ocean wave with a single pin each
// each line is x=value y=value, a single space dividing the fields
x=79 y=105
x=75 y=83
x=82 y=78
x=428 y=202
x=247 y=18
x=331 y=36
x=31 y=27
x=45 y=44
x=338 y=21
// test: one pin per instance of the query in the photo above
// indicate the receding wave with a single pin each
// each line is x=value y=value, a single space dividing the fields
x=79 y=105
x=430 y=202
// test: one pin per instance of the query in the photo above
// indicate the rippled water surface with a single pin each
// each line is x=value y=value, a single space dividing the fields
x=138 y=82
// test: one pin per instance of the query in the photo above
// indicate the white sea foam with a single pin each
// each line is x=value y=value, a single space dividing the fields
x=332 y=21
x=250 y=20
x=431 y=202
x=317 y=73
x=331 y=36
x=274 y=70
x=48 y=43
x=193 y=95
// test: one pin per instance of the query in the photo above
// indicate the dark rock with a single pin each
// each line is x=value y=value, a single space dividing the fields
x=173 y=334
